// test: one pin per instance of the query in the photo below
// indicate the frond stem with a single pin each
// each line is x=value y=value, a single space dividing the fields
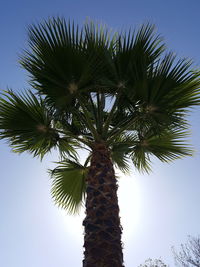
x=125 y=127
x=110 y=116
x=89 y=121
x=87 y=161
x=94 y=110
x=75 y=137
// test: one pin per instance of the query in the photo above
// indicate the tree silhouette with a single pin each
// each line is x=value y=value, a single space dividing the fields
x=189 y=253
x=153 y=263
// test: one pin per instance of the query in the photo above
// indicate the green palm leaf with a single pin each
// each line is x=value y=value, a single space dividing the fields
x=120 y=158
x=64 y=60
x=167 y=146
x=159 y=99
x=121 y=149
x=172 y=84
x=68 y=185
x=57 y=64
x=26 y=124
x=134 y=53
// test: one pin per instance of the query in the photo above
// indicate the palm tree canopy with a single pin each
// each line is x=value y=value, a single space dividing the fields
x=93 y=85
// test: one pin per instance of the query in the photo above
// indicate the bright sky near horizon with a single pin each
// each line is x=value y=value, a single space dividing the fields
x=158 y=210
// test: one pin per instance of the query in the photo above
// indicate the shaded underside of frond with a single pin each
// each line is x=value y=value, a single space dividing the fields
x=65 y=60
x=26 y=124
x=168 y=146
x=68 y=185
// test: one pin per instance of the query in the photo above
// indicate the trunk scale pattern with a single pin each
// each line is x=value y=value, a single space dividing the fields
x=102 y=241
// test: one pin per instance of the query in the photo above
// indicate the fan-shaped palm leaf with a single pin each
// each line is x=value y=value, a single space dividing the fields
x=134 y=53
x=57 y=64
x=26 y=123
x=168 y=146
x=121 y=149
x=161 y=98
x=64 y=60
x=68 y=186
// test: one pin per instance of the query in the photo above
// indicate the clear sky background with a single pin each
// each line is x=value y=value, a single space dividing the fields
x=158 y=210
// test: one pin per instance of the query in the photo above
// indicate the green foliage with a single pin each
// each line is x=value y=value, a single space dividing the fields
x=154 y=263
x=63 y=60
x=167 y=146
x=94 y=85
x=134 y=52
x=68 y=186
x=120 y=151
x=25 y=122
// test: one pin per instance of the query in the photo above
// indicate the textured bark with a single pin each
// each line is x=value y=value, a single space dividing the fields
x=102 y=242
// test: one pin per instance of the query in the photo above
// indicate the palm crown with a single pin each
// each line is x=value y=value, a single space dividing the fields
x=92 y=85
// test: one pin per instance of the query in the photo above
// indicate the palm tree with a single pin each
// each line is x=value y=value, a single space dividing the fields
x=115 y=95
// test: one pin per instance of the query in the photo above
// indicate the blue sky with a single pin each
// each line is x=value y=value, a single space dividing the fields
x=159 y=210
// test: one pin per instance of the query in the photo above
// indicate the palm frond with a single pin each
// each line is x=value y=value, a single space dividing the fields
x=120 y=160
x=120 y=150
x=135 y=51
x=67 y=147
x=167 y=146
x=162 y=96
x=173 y=85
x=26 y=124
x=56 y=61
x=64 y=60
x=68 y=185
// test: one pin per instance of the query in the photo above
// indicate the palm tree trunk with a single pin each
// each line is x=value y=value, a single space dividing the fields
x=102 y=242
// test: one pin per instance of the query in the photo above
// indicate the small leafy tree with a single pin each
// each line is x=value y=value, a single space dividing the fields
x=189 y=254
x=153 y=263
